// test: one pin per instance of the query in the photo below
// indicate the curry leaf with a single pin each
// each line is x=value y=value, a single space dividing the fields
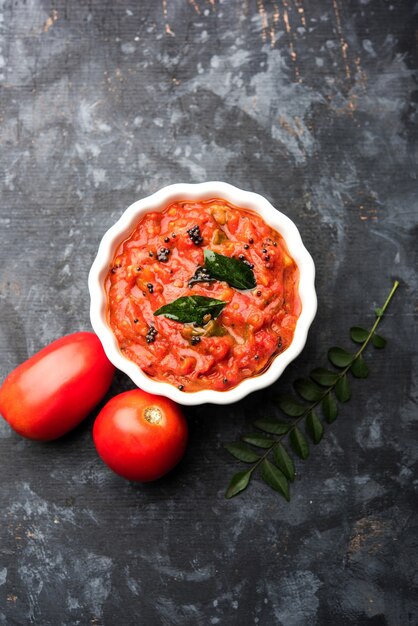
x=308 y=390
x=275 y=478
x=238 y=483
x=192 y=309
x=339 y=357
x=358 y=334
x=273 y=427
x=289 y=406
x=284 y=461
x=359 y=368
x=329 y=407
x=299 y=443
x=378 y=341
x=242 y=452
x=259 y=441
x=233 y=271
x=314 y=427
x=342 y=389
x=324 y=377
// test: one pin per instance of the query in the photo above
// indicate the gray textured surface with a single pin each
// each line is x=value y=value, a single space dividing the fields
x=312 y=104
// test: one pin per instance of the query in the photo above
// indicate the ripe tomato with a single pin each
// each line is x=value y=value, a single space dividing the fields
x=54 y=390
x=140 y=436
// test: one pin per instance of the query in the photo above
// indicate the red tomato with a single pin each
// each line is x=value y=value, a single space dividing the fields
x=54 y=390
x=140 y=436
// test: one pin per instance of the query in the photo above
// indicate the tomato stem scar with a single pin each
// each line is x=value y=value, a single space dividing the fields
x=153 y=414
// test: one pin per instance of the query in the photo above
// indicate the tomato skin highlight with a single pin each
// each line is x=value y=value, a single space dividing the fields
x=132 y=446
x=56 y=388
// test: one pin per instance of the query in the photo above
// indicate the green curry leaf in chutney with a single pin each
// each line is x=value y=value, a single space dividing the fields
x=236 y=273
x=197 y=309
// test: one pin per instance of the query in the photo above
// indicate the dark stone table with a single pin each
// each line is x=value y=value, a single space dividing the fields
x=312 y=104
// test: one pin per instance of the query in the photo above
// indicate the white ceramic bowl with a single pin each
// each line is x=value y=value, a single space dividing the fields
x=203 y=191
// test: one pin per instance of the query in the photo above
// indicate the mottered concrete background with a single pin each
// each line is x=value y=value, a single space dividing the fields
x=312 y=104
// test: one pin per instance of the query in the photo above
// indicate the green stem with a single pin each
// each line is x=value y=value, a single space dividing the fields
x=332 y=387
x=378 y=319
x=389 y=298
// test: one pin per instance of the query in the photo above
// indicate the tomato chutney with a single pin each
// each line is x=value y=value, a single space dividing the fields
x=154 y=267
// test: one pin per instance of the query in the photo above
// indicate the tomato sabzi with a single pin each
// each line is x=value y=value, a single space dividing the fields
x=153 y=267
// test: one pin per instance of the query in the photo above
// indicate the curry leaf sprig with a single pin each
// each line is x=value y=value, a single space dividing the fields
x=324 y=389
